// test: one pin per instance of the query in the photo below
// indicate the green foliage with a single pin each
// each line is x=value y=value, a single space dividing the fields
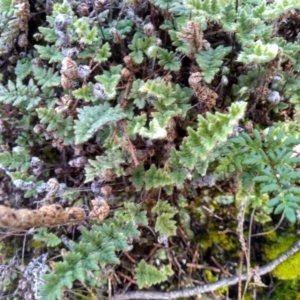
x=63 y=127
x=209 y=132
x=50 y=53
x=112 y=161
x=46 y=78
x=109 y=80
x=182 y=135
x=148 y=275
x=258 y=53
x=96 y=249
x=228 y=19
x=164 y=223
x=103 y=54
x=210 y=61
x=136 y=95
x=49 y=238
x=210 y=8
x=23 y=68
x=273 y=167
x=168 y=60
x=163 y=4
x=139 y=46
x=137 y=177
x=18 y=159
x=156 y=178
x=90 y=37
x=92 y=118
x=85 y=93
x=5 y=5
x=20 y=95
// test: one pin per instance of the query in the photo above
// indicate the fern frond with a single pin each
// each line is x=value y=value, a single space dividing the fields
x=92 y=118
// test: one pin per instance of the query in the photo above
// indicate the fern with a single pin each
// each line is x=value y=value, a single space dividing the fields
x=137 y=176
x=50 y=53
x=139 y=47
x=19 y=159
x=210 y=61
x=229 y=15
x=85 y=93
x=92 y=118
x=216 y=128
x=136 y=95
x=63 y=128
x=49 y=35
x=109 y=80
x=23 y=68
x=210 y=8
x=164 y=223
x=111 y=161
x=50 y=239
x=46 y=78
x=5 y=6
x=90 y=37
x=148 y=275
x=155 y=131
x=156 y=178
x=279 y=7
x=97 y=247
x=258 y=53
x=20 y=95
x=163 y=4
x=103 y=54
x=274 y=169
x=168 y=60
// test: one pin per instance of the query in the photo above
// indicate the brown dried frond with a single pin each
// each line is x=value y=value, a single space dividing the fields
x=63 y=104
x=203 y=92
x=76 y=214
x=23 y=13
x=69 y=68
x=82 y=10
x=117 y=36
x=171 y=130
x=22 y=40
x=69 y=72
x=131 y=65
x=99 y=211
x=53 y=187
x=193 y=36
x=99 y=4
x=52 y=215
x=48 y=215
x=262 y=92
x=66 y=83
x=106 y=191
x=195 y=79
x=37 y=62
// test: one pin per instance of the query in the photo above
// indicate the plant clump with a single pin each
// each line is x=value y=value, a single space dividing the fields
x=129 y=129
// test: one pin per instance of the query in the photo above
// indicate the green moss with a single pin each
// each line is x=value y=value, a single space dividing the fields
x=288 y=290
x=226 y=241
x=211 y=278
x=289 y=269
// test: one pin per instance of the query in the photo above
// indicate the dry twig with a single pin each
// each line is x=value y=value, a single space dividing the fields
x=206 y=288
